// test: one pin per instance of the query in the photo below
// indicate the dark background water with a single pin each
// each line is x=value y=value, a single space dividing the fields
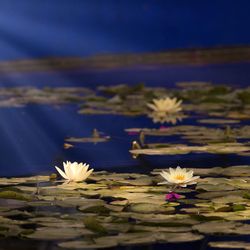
x=32 y=142
x=32 y=29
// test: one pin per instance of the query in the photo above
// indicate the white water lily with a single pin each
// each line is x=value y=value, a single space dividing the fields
x=179 y=177
x=165 y=105
x=75 y=172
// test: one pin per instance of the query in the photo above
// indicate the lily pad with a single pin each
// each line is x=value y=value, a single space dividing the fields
x=50 y=233
x=230 y=244
x=149 y=208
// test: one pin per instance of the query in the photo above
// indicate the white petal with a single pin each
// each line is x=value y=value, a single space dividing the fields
x=84 y=169
x=194 y=178
x=71 y=171
x=183 y=185
x=152 y=106
x=167 y=178
x=190 y=174
x=191 y=179
x=179 y=102
x=66 y=167
x=61 y=173
x=178 y=170
x=89 y=173
x=172 y=171
x=163 y=183
x=78 y=170
x=165 y=175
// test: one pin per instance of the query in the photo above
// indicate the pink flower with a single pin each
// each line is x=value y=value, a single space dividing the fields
x=133 y=133
x=163 y=128
x=172 y=196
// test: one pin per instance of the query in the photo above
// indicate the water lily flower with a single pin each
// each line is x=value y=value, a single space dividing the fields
x=179 y=177
x=165 y=105
x=172 y=196
x=75 y=172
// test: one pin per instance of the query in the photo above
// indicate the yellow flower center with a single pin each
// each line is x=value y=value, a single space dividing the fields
x=180 y=177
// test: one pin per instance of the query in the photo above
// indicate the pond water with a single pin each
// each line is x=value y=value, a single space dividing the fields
x=33 y=135
x=126 y=209
x=33 y=138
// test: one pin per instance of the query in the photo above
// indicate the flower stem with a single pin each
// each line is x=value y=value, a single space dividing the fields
x=174 y=188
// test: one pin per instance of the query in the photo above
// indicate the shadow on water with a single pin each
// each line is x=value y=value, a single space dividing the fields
x=12 y=243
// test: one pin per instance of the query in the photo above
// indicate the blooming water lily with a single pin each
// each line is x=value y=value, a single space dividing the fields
x=179 y=177
x=165 y=105
x=75 y=172
x=165 y=110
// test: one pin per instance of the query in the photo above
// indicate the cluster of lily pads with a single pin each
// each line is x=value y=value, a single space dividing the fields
x=101 y=209
x=123 y=209
x=199 y=97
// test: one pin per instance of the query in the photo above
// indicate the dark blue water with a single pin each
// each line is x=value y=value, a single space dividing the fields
x=32 y=137
x=32 y=141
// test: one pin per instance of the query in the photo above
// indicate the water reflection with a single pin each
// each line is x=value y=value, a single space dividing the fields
x=162 y=117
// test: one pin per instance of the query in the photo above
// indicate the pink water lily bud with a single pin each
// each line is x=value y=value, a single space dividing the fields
x=172 y=196
x=133 y=133
x=163 y=128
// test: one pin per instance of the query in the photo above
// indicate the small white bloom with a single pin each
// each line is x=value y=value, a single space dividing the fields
x=75 y=172
x=179 y=176
x=165 y=105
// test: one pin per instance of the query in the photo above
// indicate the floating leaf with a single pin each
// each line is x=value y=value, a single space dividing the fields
x=150 y=208
x=50 y=233
x=92 y=224
x=230 y=244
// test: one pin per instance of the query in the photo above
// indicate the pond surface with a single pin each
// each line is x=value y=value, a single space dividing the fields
x=33 y=138
x=33 y=135
x=67 y=116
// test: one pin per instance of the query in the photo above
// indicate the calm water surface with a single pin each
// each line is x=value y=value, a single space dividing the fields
x=32 y=137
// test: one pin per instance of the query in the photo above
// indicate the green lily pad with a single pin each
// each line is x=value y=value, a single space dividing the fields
x=15 y=195
x=230 y=244
x=149 y=208
x=92 y=224
x=222 y=227
x=50 y=233
x=80 y=244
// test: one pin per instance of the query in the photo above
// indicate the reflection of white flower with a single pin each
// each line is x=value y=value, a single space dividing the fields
x=159 y=117
x=165 y=105
x=75 y=171
x=179 y=177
